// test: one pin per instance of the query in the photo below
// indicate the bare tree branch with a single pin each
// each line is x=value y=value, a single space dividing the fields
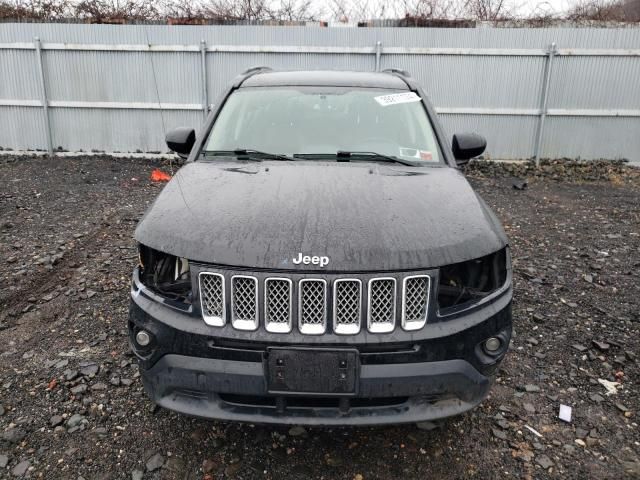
x=296 y=11
x=184 y=9
x=599 y=10
x=101 y=11
x=423 y=13
x=488 y=10
x=35 y=9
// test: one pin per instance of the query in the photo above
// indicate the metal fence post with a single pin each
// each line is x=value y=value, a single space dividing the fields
x=543 y=102
x=203 y=69
x=378 y=54
x=43 y=93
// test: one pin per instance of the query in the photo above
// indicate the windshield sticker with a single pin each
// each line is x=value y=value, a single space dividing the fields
x=396 y=98
x=415 y=153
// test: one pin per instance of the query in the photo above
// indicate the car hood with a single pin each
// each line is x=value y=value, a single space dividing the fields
x=362 y=216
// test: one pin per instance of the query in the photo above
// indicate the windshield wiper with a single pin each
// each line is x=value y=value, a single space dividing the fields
x=345 y=156
x=250 y=154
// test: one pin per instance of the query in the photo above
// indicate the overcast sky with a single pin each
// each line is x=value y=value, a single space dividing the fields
x=557 y=5
x=395 y=9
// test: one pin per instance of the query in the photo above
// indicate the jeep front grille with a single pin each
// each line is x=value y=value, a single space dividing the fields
x=212 y=299
x=333 y=305
x=382 y=305
x=415 y=301
x=312 y=306
x=244 y=302
x=277 y=305
x=347 y=301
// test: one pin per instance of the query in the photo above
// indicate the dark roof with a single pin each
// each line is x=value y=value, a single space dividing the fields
x=329 y=78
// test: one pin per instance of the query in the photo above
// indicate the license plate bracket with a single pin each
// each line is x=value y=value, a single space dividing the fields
x=312 y=371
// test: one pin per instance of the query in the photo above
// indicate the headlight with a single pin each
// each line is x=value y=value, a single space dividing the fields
x=465 y=283
x=165 y=274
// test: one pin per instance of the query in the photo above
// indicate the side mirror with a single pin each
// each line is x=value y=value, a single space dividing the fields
x=465 y=146
x=181 y=140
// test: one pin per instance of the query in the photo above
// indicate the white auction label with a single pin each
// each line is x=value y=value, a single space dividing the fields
x=396 y=98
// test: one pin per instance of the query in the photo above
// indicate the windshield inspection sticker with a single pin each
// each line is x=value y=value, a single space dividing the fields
x=396 y=98
x=415 y=153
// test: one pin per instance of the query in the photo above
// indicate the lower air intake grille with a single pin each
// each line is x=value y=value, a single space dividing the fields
x=313 y=306
x=347 y=306
x=212 y=298
x=277 y=305
x=382 y=305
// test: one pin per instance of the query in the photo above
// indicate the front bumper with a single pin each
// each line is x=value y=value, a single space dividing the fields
x=424 y=391
x=190 y=369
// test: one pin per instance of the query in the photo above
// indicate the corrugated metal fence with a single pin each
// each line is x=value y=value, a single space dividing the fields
x=116 y=88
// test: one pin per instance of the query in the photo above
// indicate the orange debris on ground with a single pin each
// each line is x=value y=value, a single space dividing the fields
x=159 y=176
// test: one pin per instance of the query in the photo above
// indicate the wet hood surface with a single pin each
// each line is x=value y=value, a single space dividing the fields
x=363 y=216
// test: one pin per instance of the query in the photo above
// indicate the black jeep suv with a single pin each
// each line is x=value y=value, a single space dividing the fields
x=321 y=259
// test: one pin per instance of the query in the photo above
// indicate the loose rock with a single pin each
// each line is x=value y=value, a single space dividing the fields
x=602 y=346
x=137 y=475
x=90 y=370
x=538 y=317
x=499 y=434
x=78 y=389
x=297 y=431
x=154 y=462
x=75 y=421
x=14 y=435
x=622 y=408
x=544 y=461
x=56 y=420
x=20 y=469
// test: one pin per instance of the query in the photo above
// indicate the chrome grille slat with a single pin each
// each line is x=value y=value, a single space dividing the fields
x=415 y=301
x=312 y=306
x=347 y=301
x=244 y=302
x=212 y=300
x=277 y=305
x=381 y=305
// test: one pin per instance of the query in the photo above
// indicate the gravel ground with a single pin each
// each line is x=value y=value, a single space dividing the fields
x=72 y=405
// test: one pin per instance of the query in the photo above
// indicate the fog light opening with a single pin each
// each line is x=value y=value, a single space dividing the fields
x=492 y=345
x=143 y=338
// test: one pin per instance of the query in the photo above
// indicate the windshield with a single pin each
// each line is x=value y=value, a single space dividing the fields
x=320 y=120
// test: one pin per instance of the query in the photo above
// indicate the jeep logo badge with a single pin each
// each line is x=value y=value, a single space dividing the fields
x=311 y=260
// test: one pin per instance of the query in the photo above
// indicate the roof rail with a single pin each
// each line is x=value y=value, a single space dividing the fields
x=248 y=73
x=404 y=76
x=257 y=69
x=397 y=71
